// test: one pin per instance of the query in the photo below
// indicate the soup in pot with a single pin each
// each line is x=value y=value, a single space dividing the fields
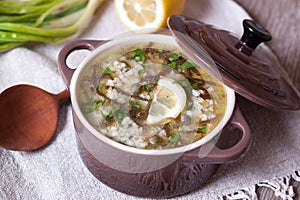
x=150 y=96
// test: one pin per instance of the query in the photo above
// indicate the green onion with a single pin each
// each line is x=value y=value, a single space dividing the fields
x=189 y=105
x=187 y=64
x=107 y=71
x=103 y=102
x=99 y=89
x=90 y=106
x=182 y=83
x=173 y=139
x=122 y=115
x=50 y=21
x=195 y=85
x=142 y=71
x=9 y=45
x=203 y=129
x=21 y=3
x=110 y=115
x=175 y=57
x=147 y=89
x=138 y=55
x=127 y=67
x=137 y=105
x=172 y=65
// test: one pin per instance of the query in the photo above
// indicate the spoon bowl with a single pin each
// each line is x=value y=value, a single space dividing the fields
x=29 y=117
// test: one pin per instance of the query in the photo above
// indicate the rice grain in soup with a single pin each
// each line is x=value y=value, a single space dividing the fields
x=150 y=96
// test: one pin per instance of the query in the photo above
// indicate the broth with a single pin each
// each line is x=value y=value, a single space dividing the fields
x=150 y=96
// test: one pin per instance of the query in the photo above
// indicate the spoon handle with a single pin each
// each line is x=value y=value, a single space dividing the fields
x=63 y=96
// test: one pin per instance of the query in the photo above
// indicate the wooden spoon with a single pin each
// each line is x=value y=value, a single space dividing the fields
x=28 y=117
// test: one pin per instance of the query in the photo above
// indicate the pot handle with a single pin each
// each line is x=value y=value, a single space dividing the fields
x=211 y=153
x=64 y=69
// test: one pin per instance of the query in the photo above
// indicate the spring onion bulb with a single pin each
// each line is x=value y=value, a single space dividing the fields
x=49 y=21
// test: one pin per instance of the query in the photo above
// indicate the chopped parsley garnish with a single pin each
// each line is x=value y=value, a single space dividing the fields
x=138 y=55
x=187 y=64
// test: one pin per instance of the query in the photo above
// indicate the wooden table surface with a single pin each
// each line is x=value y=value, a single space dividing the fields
x=282 y=19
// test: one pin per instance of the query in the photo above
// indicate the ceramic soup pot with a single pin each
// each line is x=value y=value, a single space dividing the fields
x=144 y=172
x=163 y=173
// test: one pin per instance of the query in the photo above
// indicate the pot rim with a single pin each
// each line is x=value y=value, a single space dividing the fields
x=131 y=40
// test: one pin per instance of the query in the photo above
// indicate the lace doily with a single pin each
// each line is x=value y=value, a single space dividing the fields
x=281 y=186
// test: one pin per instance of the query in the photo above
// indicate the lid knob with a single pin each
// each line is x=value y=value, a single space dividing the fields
x=252 y=73
x=254 y=34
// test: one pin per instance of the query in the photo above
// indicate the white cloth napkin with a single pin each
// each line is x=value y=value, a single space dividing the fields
x=56 y=171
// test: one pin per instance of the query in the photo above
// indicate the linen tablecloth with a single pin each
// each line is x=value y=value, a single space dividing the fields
x=56 y=170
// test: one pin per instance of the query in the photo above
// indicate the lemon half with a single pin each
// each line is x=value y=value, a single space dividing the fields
x=168 y=102
x=147 y=14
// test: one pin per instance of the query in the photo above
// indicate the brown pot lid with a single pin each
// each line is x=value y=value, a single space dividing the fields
x=240 y=65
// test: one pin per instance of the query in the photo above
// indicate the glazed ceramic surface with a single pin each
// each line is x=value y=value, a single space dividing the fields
x=151 y=173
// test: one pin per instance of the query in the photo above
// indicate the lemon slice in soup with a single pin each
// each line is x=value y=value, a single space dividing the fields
x=168 y=102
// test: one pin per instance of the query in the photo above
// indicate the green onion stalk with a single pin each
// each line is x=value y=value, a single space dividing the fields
x=49 y=21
